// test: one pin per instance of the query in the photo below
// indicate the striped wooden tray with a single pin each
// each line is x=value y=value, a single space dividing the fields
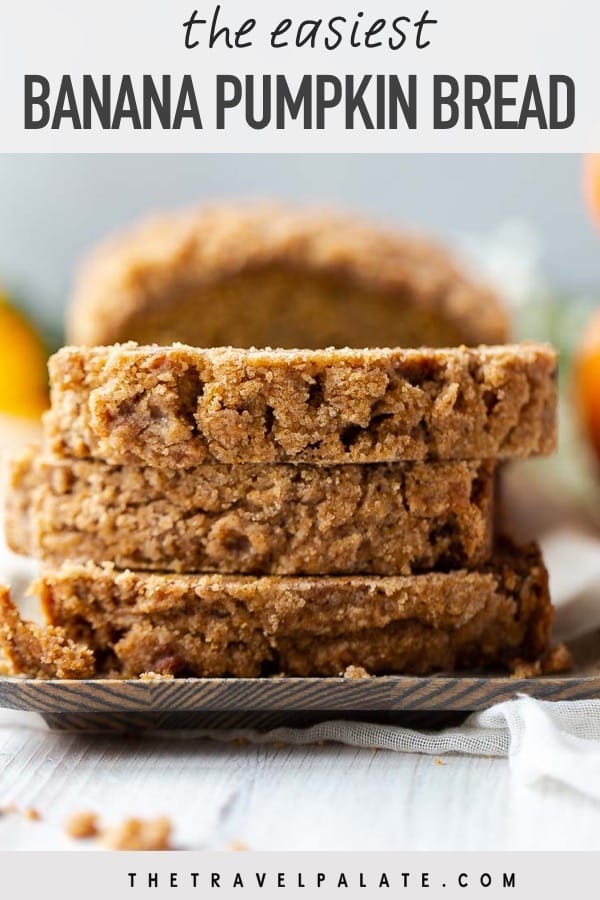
x=133 y=705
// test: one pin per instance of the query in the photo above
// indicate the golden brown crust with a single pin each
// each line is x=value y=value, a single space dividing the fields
x=211 y=625
x=181 y=406
x=260 y=275
x=266 y=519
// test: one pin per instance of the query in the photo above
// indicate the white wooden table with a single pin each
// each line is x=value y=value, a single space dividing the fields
x=279 y=798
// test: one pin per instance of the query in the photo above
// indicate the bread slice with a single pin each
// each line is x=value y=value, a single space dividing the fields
x=181 y=406
x=213 y=625
x=383 y=519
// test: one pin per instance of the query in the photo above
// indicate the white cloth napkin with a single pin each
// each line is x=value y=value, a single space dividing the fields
x=558 y=740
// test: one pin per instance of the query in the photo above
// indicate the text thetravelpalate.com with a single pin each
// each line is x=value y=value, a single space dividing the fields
x=382 y=880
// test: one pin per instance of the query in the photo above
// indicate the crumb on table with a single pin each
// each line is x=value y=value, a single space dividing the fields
x=32 y=814
x=238 y=845
x=138 y=834
x=9 y=809
x=82 y=825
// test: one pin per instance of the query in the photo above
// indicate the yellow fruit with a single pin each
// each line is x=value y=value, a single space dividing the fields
x=23 y=376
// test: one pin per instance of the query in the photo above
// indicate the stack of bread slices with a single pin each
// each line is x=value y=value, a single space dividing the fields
x=244 y=512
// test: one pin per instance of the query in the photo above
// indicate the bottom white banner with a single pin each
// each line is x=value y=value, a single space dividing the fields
x=95 y=875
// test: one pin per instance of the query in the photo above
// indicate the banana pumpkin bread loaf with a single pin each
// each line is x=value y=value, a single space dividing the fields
x=266 y=276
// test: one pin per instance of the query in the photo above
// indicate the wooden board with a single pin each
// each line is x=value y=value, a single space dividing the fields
x=266 y=703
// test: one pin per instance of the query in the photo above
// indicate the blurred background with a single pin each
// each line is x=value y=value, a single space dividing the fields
x=519 y=217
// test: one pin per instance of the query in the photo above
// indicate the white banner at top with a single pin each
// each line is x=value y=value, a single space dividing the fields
x=300 y=76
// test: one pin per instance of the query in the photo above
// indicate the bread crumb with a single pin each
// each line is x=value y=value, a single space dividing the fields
x=438 y=762
x=132 y=834
x=155 y=676
x=558 y=659
x=28 y=812
x=356 y=672
x=82 y=825
x=32 y=814
x=238 y=845
x=8 y=810
x=522 y=669
x=137 y=834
